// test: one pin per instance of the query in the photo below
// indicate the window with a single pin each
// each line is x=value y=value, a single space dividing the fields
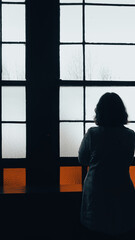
x=97 y=54
x=13 y=96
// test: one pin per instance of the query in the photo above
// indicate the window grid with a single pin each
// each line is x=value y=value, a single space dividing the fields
x=12 y=163
x=73 y=161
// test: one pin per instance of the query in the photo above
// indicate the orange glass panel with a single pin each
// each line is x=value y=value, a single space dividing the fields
x=14 y=180
x=132 y=174
x=70 y=179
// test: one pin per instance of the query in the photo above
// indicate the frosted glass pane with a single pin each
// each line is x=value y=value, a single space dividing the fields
x=14 y=180
x=13 y=62
x=13 y=22
x=13 y=104
x=111 y=1
x=110 y=63
x=70 y=179
x=71 y=24
x=71 y=135
x=71 y=103
x=71 y=1
x=94 y=93
x=13 y=140
x=71 y=62
x=102 y=26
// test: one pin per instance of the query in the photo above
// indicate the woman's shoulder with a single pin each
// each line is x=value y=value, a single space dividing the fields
x=98 y=130
x=93 y=130
x=128 y=130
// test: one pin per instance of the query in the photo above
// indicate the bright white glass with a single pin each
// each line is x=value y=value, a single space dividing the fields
x=13 y=104
x=110 y=63
x=13 y=140
x=93 y=95
x=71 y=62
x=71 y=103
x=13 y=22
x=13 y=62
x=71 y=135
x=70 y=23
x=102 y=26
x=111 y=1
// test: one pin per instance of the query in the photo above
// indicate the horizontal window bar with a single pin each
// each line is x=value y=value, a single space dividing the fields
x=101 y=4
x=24 y=3
x=96 y=83
x=12 y=42
x=71 y=43
x=69 y=161
x=13 y=83
x=13 y=163
x=71 y=4
x=111 y=4
x=97 y=43
x=87 y=121
x=71 y=121
x=13 y=122
x=107 y=43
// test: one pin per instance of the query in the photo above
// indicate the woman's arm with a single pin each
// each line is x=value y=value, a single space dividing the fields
x=85 y=149
x=132 y=163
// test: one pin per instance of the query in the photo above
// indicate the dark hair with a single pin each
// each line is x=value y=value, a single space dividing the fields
x=110 y=111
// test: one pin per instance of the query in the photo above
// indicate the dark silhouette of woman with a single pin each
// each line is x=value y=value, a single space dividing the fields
x=108 y=198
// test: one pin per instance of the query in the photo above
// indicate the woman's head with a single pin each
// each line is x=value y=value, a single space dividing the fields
x=110 y=111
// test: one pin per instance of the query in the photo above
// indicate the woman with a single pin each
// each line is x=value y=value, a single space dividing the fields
x=108 y=199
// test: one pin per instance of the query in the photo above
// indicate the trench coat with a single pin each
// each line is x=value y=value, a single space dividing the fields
x=108 y=197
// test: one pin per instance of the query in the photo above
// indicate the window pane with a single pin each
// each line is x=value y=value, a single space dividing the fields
x=71 y=64
x=13 y=104
x=71 y=24
x=71 y=135
x=70 y=179
x=13 y=62
x=13 y=140
x=94 y=93
x=110 y=63
x=13 y=22
x=71 y=1
x=102 y=26
x=71 y=103
x=14 y=180
x=111 y=1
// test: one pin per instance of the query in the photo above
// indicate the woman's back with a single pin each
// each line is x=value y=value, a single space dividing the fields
x=108 y=193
